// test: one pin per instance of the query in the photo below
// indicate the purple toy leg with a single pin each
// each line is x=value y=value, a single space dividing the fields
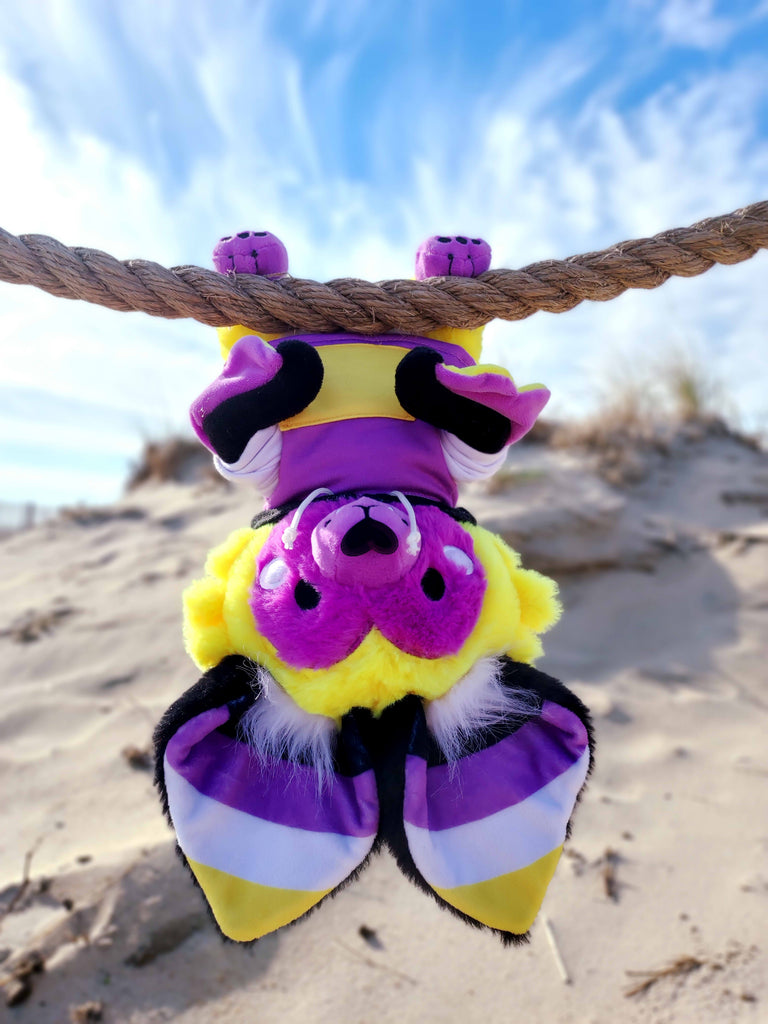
x=259 y=387
x=497 y=392
x=251 y=364
x=250 y=252
x=452 y=256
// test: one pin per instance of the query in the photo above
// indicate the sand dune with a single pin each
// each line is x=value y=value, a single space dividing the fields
x=665 y=583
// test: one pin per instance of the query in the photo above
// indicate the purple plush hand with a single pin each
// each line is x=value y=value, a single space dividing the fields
x=250 y=252
x=251 y=364
x=452 y=256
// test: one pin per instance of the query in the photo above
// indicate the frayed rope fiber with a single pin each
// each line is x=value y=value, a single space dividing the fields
x=284 y=304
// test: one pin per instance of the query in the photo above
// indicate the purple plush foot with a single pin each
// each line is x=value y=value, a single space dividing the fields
x=250 y=252
x=455 y=256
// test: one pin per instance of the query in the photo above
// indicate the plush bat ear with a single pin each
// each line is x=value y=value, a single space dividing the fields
x=266 y=837
x=486 y=829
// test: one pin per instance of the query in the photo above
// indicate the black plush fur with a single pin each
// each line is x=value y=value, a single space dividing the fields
x=422 y=395
x=367 y=741
x=232 y=680
x=231 y=425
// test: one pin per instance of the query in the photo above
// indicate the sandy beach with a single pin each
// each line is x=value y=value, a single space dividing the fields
x=659 y=908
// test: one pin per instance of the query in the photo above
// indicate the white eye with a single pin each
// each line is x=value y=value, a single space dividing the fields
x=460 y=558
x=273 y=574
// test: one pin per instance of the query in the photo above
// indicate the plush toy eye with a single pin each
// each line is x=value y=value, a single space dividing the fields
x=433 y=584
x=306 y=596
x=273 y=574
x=460 y=558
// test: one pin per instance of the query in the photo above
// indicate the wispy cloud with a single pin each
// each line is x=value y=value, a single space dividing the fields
x=697 y=23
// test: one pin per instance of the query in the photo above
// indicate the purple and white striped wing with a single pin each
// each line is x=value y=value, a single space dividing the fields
x=266 y=839
x=486 y=831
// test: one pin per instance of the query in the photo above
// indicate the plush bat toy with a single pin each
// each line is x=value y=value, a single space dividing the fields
x=366 y=646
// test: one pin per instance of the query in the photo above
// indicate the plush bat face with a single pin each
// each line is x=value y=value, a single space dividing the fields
x=352 y=570
x=352 y=615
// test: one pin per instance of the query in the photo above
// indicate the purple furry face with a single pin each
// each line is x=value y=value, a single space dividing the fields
x=354 y=566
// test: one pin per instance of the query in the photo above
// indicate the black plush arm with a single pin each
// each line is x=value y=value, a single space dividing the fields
x=423 y=396
x=230 y=425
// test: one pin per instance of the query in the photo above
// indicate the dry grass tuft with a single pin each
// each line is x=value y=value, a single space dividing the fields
x=178 y=459
x=645 y=413
x=693 y=391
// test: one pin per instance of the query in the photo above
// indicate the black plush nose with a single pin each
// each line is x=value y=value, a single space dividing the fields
x=369 y=535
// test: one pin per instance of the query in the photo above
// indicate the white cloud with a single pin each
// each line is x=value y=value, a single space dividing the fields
x=694 y=23
x=698 y=24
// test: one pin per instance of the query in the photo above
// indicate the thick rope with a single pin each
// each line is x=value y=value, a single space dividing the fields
x=408 y=307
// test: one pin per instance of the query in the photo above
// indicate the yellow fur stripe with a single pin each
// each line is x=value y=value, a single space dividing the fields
x=358 y=382
x=509 y=902
x=229 y=335
x=479 y=369
x=245 y=910
x=470 y=341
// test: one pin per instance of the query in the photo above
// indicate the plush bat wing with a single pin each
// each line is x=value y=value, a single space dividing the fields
x=265 y=838
x=484 y=832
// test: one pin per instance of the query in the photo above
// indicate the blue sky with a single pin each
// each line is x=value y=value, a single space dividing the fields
x=353 y=130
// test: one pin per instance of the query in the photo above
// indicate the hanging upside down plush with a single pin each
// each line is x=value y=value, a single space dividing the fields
x=367 y=648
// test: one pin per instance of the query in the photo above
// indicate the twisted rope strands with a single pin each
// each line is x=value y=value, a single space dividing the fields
x=408 y=307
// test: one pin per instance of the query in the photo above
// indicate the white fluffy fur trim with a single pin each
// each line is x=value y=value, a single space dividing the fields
x=466 y=464
x=259 y=463
x=277 y=727
x=478 y=701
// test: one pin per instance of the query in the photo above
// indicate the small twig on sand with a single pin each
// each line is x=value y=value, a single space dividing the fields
x=683 y=965
x=18 y=896
x=549 y=932
x=373 y=963
x=610 y=880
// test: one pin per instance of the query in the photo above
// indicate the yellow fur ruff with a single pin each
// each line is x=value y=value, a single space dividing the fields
x=517 y=606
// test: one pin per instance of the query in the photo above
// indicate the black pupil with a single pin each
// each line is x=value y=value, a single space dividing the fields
x=433 y=584
x=306 y=596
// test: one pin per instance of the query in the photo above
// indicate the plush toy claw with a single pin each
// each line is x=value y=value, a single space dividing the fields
x=452 y=256
x=250 y=252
